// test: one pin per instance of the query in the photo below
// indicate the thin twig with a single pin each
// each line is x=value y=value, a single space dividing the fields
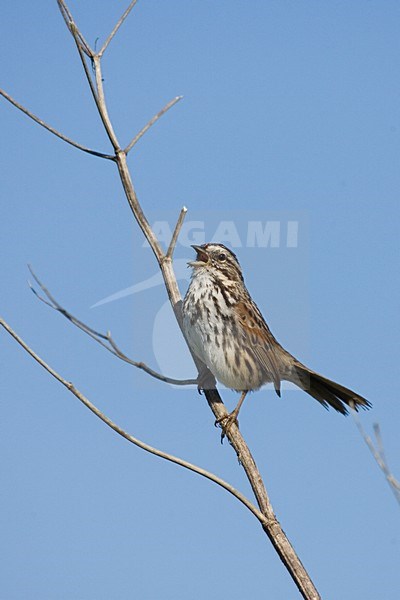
x=102 y=104
x=75 y=34
x=378 y=454
x=177 y=230
x=51 y=129
x=153 y=120
x=105 y=340
x=117 y=26
x=70 y=23
x=140 y=365
x=98 y=91
x=393 y=482
x=379 y=442
x=165 y=455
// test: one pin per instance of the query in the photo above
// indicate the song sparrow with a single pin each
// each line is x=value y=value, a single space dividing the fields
x=226 y=330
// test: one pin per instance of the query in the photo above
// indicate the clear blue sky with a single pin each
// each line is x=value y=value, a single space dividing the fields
x=290 y=114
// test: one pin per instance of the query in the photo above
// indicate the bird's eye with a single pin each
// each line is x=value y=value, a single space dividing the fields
x=222 y=257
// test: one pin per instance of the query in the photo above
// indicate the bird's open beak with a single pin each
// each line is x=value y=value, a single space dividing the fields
x=201 y=258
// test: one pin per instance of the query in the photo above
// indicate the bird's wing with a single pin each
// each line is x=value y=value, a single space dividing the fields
x=260 y=340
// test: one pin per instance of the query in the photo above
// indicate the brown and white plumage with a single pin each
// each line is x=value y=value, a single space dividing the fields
x=227 y=331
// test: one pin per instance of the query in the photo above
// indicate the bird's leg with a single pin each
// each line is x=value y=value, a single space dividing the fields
x=228 y=420
x=205 y=380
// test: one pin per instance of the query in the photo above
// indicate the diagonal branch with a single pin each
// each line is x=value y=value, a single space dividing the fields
x=177 y=230
x=98 y=90
x=117 y=26
x=165 y=455
x=51 y=129
x=105 y=340
x=70 y=23
x=101 y=104
x=75 y=34
x=393 y=482
x=141 y=219
x=153 y=120
x=378 y=453
x=148 y=370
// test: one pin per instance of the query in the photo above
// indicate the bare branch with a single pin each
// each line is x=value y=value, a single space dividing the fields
x=165 y=455
x=105 y=340
x=117 y=26
x=102 y=104
x=153 y=120
x=75 y=35
x=51 y=129
x=177 y=230
x=270 y=524
x=379 y=442
x=393 y=482
x=70 y=23
x=84 y=48
x=144 y=367
x=378 y=454
x=137 y=211
x=98 y=90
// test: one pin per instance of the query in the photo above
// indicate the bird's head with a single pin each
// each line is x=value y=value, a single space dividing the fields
x=218 y=260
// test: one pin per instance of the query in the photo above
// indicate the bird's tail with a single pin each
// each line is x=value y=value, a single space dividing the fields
x=326 y=391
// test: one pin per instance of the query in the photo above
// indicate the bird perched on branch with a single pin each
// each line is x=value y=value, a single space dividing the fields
x=227 y=332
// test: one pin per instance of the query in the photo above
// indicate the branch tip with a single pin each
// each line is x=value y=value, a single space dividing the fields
x=378 y=453
x=117 y=26
x=176 y=232
x=153 y=120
